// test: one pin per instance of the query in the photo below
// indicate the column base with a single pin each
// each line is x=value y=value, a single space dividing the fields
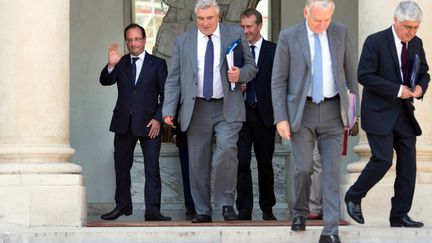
x=377 y=203
x=42 y=197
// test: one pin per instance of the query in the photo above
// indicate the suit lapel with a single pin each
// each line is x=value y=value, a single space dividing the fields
x=191 y=49
x=332 y=42
x=262 y=53
x=224 y=43
x=392 y=48
x=302 y=39
x=145 y=66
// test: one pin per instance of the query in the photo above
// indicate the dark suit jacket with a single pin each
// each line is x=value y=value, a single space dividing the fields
x=263 y=82
x=138 y=103
x=379 y=73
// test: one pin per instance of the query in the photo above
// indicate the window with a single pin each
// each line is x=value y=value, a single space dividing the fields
x=149 y=14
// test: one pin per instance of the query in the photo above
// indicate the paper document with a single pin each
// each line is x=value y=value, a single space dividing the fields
x=230 y=58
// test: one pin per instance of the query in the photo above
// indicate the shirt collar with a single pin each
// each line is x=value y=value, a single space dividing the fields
x=396 y=37
x=140 y=56
x=258 y=43
x=311 y=34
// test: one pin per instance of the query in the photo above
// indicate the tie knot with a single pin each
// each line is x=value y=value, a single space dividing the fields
x=134 y=59
x=404 y=44
x=209 y=36
x=252 y=47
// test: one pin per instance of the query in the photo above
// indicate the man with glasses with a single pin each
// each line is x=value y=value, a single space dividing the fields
x=386 y=64
x=140 y=79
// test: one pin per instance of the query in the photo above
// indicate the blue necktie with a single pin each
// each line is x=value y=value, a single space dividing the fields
x=208 y=70
x=317 y=74
x=250 y=87
x=133 y=69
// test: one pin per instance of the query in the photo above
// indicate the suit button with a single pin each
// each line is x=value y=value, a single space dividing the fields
x=134 y=92
x=193 y=98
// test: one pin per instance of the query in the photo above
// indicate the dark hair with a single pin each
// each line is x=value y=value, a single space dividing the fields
x=133 y=25
x=249 y=12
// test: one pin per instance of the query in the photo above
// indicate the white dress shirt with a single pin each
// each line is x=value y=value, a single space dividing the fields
x=139 y=64
x=201 y=49
x=329 y=81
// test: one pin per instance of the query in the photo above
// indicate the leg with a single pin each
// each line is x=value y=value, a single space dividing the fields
x=405 y=147
x=264 y=145
x=315 y=199
x=244 y=201
x=152 y=188
x=330 y=139
x=376 y=168
x=124 y=145
x=184 y=164
x=200 y=135
x=225 y=162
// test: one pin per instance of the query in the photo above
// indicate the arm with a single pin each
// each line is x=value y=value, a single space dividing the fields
x=172 y=86
x=423 y=78
x=108 y=74
x=369 y=68
x=279 y=81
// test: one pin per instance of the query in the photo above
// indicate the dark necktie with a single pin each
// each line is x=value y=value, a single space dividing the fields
x=250 y=87
x=317 y=75
x=404 y=63
x=208 y=70
x=133 y=69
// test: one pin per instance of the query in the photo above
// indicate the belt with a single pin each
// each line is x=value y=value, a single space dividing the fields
x=211 y=99
x=336 y=97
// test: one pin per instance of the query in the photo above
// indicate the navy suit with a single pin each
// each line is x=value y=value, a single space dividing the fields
x=137 y=104
x=258 y=129
x=389 y=121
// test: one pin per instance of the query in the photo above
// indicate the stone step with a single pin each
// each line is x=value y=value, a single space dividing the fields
x=222 y=234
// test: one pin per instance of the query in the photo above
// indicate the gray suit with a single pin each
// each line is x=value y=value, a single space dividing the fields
x=204 y=119
x=310 y=122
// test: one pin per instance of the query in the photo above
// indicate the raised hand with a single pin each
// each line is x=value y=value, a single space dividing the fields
x=113 y=55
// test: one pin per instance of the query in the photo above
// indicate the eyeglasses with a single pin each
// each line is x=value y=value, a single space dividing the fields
x=138 y=39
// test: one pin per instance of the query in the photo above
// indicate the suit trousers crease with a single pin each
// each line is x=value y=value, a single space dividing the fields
x=124 y=146
x=262 y=138
x=208 y=121
x=402 y=139
x=322 y=123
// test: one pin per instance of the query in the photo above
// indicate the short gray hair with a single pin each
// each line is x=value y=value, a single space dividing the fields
x=204 y=4
x=408 y=11
x=321 y=3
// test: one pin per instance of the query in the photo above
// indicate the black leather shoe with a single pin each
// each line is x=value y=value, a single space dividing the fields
x=298 y=223
x=229 y=213
x=190 y=214
x=268 y=215
x=156 y=217
x=117 y=212
x=202 y=218
x=405 y=221
x=329 y=239
x=354 y=210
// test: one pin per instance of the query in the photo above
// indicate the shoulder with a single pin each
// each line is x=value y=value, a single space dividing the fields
x=155 y=59
x=230 y=29
x=293 y=30
x=380 y=36
x=268 y=45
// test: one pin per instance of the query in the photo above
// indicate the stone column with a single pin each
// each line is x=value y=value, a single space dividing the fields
x=38 y=184
x=375 y=16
